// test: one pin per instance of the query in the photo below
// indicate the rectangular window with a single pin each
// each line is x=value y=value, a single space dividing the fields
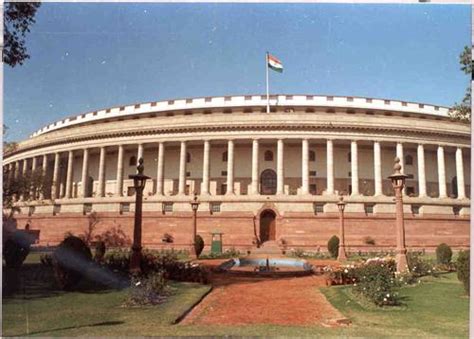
x=318 y=208
x=404 y=103
x=124 y=207
x=167 y=207
x=386 y=102
x=223 y=188
x=188 y=174
x=309 y=97
x=410 y=176
x=248 y=97
x=56 y=209
x=289 y=97
x=369 y=101
x=421 y=106
x=415 y=209
x=330 y=98
x=456 y=210
x=436 y=108
x=108 y=110
x=188 y=101
x=153 y=104
x=215 y=207
x=227 y=98
x=350 y=99
x=312 y=173
x=31 y=210
x=349 y=189
x=86 y=209
x=122 y=108
x=410 y=191
x=369 y=208
x=224 y=173
x=170 y=102
x=208 y=99
x=137 y=106
x=349 y=174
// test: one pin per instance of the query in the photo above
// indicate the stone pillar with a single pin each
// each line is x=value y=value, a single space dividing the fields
x=460 y=174
x=139 y=152
x=23 y=174
x=205 y=168
x=11 y=172
x=33 y=190
x=305 y=167
x=70 y=161
x=55 y=185
x=441 y=173
x=160 y=168
x=101 y=188
x=421 y=171
x=377 y=169
x=280 y=170
x=44 y=169
x=119 y=176
x=254 y=189
x=330 y=166
x=182 y=169
x=230 y=167
x=399 y=154
x=354 y=169
x=85 y=172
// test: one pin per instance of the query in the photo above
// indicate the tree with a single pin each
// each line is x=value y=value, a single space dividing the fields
x=462 y=111
x=18 y=17
x=8 y=146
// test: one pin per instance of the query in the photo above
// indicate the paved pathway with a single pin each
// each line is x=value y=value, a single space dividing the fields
x=285 y=301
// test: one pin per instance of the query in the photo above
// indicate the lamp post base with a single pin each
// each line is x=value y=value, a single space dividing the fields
x=341 y=254
x=402 y=263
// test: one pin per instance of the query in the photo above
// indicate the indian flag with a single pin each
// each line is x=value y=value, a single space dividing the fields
x=274 y=63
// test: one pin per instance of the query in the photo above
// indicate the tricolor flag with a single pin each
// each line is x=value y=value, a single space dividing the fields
x=274 y=63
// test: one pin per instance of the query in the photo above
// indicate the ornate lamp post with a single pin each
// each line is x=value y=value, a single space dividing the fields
x=194 y=205
x=341 y=255
x=139 y=181
x=398 y=181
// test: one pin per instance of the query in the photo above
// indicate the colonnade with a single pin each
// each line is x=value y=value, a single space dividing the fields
x=15 y=169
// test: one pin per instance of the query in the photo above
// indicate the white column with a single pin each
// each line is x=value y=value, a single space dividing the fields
x=139 y=152
x=85 y=172
x=460 y=174
x=55 y=185
x=230 y=167
x=305 y=167
x=119 y=176
x=280 y=171
x=354 y=169
x=205 y=168
x=70 y=161
x=377 y=169
x=160 y=168
x=182 y=169
x=44 y=168
x=399 y=153
x=441 y=173
x=421 y=171
x=23 y=174
x=33 y=170
x=255 y=166
x=101 y=188
x=330 y=166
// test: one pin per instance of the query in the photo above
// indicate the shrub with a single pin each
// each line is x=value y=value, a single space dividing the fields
x=376 y=282
x=71 y=259
x=419 y=267
x=149 y=289
x=333 y=246
x=198 y=245
x=16 y=248
x=443 y=254
x=46 y=259
x=462 y=266
x=99 y=251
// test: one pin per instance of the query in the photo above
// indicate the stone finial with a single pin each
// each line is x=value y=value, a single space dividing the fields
x=140 y=166
x=341 y=198
x=397 y=167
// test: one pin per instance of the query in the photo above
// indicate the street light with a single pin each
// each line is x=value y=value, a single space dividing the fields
x=341 y=255
x=194 y=205
x=398 y=181
x=139 y=181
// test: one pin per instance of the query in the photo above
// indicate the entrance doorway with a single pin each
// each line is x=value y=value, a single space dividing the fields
x=268 y=182
x=267 y=225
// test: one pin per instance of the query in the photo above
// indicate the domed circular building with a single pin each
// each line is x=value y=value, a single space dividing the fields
x=259 y=176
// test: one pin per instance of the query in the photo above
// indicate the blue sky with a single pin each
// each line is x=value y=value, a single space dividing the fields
x=90 y=56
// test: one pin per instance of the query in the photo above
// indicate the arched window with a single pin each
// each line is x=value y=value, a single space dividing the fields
x=349 y=157
x=408 y=160
x=188 y=157
x=224 y=156
x=132 y=161
x=268 y=156
x=312 y=156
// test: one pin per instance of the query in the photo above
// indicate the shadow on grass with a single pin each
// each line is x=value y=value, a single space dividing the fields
x=103 y=323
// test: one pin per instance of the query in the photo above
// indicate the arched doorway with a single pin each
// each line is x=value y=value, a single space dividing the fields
x=268 y=182
x=267 y=225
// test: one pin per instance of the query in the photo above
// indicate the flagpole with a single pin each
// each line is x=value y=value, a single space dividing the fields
x=268 y=96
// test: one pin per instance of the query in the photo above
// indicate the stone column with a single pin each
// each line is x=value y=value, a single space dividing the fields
x=70 y=161
x=139 y=152
x=460 y=174
x=330 y=166
x=182 y=169
x=441 y=173
x=119 y=176
x=23 y=174
x=11 y=172
x=399 y=154
x=205 y=168
x=354 y=169
x=55 y=185
x=160 y=168
x=230 y=167
x=305 y=167
x=85 y=172
x=377 y=169
x=33 y=190
x=254 y=188
x=421 y=171
x=101 y=188
x=280 y=171
x=44 y=169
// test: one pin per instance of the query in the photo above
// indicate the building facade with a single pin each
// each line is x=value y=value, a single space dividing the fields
x=258 y=176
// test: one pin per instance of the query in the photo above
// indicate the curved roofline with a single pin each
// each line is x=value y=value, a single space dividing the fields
x=402 y=106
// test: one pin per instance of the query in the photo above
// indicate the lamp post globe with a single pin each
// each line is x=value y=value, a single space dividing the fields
x=139 y=181
x=398 y=182
x=341 y=254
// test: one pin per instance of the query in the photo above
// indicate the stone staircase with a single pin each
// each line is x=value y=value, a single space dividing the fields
x=267 y=248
